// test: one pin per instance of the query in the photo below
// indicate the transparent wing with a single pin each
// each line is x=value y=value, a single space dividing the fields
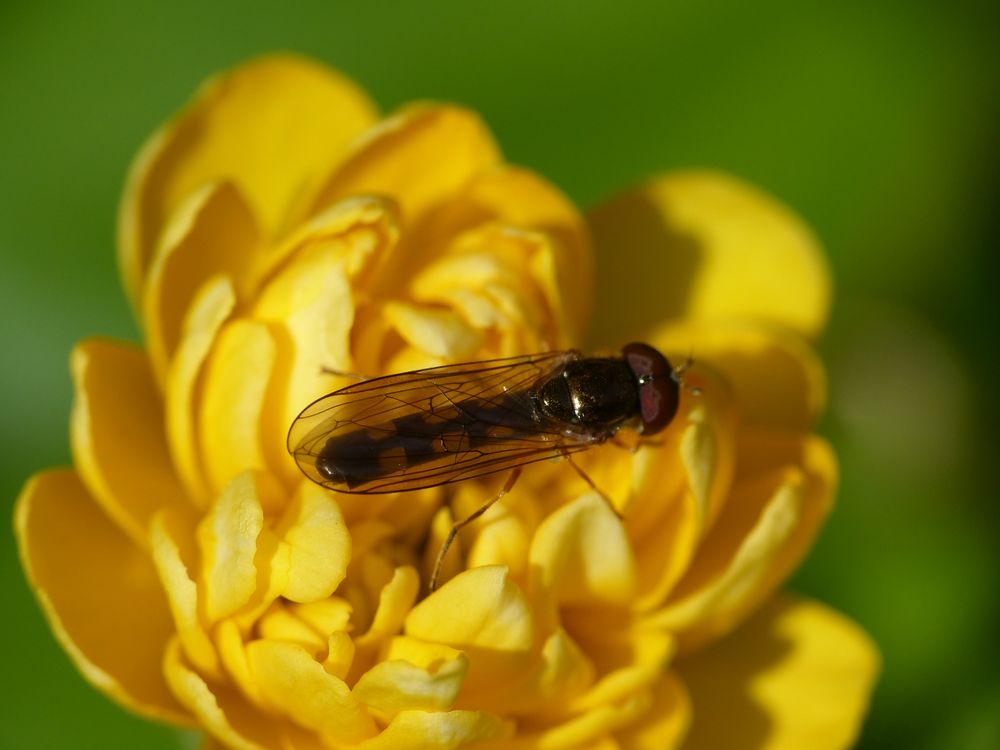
x=428 y=427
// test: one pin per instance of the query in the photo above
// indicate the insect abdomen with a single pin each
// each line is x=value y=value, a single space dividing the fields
x=353 y=458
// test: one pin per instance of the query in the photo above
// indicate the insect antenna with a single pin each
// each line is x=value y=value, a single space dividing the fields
x=678 y=375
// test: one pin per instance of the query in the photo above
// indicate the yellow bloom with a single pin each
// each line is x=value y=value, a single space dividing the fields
x=276 y=228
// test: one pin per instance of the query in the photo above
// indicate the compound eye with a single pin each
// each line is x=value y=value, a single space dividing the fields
x=659 y=391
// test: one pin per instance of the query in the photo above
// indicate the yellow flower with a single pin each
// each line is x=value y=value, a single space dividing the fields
x=276 y=228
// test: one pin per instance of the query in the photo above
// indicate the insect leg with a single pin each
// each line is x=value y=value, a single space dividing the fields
x=633 y=448
x=590 y=482
x=324 y=370
x=459 y=525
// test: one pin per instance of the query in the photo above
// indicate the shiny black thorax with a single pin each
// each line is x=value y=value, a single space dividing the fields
x=598 y=395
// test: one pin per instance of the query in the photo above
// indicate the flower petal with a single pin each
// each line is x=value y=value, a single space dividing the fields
x=795 y=675
x=309 y=302
x=482 y=613
x=271 y=125
x=586 y=729
x=438 y=730
x=665 y=723
x=776 y=377
x=581 y=555
x=494 y=613
x=340 y=654
x=394 y=603
x=118 y=436
x=396 y=685
x=212 y=305
x=213 y=232
x=705 y=246
x=279 y=624
x=512 y=197
x=441 y=333
x=763 y=533
x=219 y=709
x=393 y=159
x=297 y=684
x=99 y=593
x=235 y=383
x=318 y=542
x=679 y=487
x=500 y=278
x=174 y=554
x=561 y=673
x=227 y=540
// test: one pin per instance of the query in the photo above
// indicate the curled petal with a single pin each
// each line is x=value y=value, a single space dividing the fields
x=795 y=675
x=272 y=126
x=99 y=592
x=118 y=435
x=706 y=247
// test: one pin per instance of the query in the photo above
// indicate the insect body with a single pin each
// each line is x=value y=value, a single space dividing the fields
x=446 y=424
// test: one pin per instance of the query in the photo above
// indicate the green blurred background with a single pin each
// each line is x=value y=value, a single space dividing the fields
x=878 y=123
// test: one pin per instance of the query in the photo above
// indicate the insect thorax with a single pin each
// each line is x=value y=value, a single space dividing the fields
x=596 y=394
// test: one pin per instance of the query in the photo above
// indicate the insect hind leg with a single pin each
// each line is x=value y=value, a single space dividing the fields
x=324 y=370
x=590 y=482
x=459 y=525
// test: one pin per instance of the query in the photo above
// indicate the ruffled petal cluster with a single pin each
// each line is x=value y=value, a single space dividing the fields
x=277 y=236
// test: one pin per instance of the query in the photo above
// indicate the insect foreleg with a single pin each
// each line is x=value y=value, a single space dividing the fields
x=459 y=525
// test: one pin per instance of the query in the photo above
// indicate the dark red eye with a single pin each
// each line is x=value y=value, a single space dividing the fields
x=659 y=391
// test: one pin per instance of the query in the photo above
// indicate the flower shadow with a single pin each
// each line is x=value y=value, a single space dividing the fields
x=724 y=681
x=646 y=279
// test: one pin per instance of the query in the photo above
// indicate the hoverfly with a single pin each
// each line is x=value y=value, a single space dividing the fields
x=445 y=424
